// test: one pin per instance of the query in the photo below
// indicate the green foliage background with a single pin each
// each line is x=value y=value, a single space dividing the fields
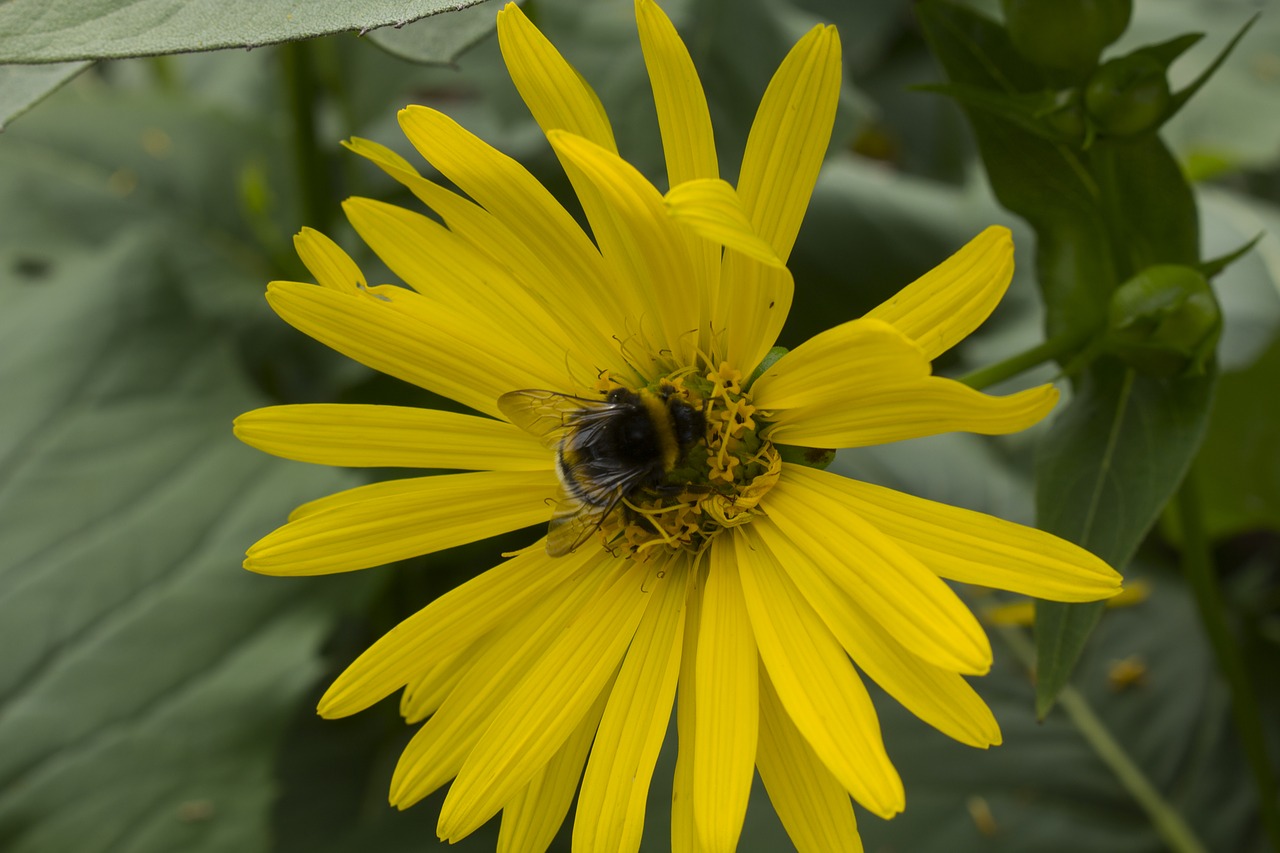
x=154 y=697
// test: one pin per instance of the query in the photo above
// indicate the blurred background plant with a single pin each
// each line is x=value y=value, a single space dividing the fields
x=155 y=697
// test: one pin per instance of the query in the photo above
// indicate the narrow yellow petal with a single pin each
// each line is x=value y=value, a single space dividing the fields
x=429 y=514
x=789 y=138
x=727 y=717
x=975 y=548
x=684 y=833
x=944 y=305
x=894 y=587
x=641 y=244
x=566 y=302
x=528 y=210
x=683 y=117
x=811 y=803
x=546 y=706
x=326 y=260
x=615 y=787
x=449 y=624
x=687 y=142
x=390 y=437
x=862 y=358
x=551 y=88
x=533 y=817
x=885 y=412
x=816 y=683
x=396 y=332
x=437 y=751
x=712 y=209
x=424 y=693
x=941 y=698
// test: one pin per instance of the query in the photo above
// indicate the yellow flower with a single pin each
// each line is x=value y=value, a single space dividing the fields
x=745 y=585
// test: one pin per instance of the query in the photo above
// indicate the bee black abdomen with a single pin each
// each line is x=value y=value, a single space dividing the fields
x=688 y=423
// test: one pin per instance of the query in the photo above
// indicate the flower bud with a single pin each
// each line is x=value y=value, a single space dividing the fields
x=1165 y=321
x=1128 y=95
x=1067 y=35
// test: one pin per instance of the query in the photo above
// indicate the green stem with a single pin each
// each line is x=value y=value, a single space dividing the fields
x=313 y=176
x=1054 y=348
x=1166 y=821
x=162 y=73
x=1197 y=563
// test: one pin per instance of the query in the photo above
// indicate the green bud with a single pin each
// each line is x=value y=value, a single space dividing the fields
x=1128 y=95
x=1067 y=35
x=1165 y=321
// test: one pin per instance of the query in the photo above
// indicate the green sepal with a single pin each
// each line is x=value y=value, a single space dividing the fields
x=769 y=360
x=809 y=457
x=1183 y=95
x=1213 y=266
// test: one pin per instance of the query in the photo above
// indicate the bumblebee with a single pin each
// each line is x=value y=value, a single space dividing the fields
x=606 y=450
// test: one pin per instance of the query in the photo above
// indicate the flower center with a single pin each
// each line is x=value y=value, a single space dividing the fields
x=717 y=479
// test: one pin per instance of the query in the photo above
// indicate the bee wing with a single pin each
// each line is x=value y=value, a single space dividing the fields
x=544 y=414
x=573 y=523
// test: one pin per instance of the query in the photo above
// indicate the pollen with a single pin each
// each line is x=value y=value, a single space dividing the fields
x=716 y=485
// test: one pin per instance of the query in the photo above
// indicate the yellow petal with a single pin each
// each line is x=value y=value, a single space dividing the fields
x=546 y=706
x=394 y=331
x=811 y=803
x=687 y=141
x=683 y=117
x=390 y=437
x=975 y=548
x=567 y=303
x=551 y=88
x=789 y=138
x=429 y=514
x=424 y=693
x=532 y=819
x=332 y=267
x=684 y=834
x=615 y=787
x=863 y=358
x=895 y=588
x=942 y=699
x=816 y=683
x=930 y=406
x=947 y=303
x=641 y=245
x=449 y=624
x=712 y=209
x=438 y=750
x=528 y=210
x=728 y=706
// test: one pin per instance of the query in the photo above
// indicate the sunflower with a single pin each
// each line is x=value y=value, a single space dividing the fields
x=730 y=577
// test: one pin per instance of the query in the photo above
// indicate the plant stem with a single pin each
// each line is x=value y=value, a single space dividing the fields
x=313 y=176
x=1197 y=563
x=1055 y=347
x=1165 y=819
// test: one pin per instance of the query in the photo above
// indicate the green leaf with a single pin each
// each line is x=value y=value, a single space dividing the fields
x=1045 y=789
x=440 y=39
x=1047 y=183
x=1108 y=465
x=1239 y=467
x=146 y=677
x=41 y=31
x=23 y=86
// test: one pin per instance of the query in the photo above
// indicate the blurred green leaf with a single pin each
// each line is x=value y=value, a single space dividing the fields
x=440 y=39
x=1106 y=469
x=136 y=648
x=1239 y=465
x=23 y=86
x=1248 y=289
x=1046 y=183
x=1044 y=789
x=41 y=31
